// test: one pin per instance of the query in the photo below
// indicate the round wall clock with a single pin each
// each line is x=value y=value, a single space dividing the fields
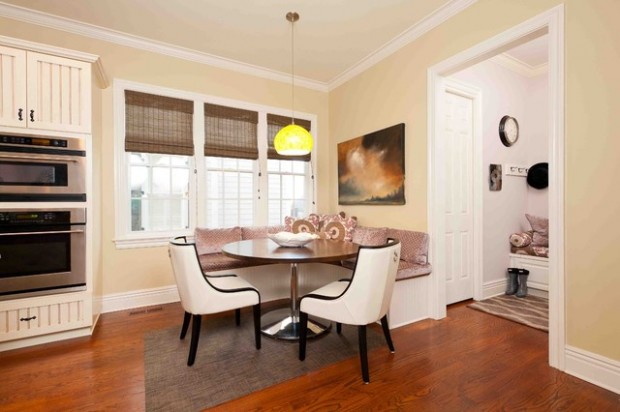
x=508 y=130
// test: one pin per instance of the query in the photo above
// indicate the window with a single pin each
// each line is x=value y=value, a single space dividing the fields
x=288 y=194
x=184 y=161
x=287 y=179
x=231 y=150
x=159 y=192
x=159 y=143
x=230 y=192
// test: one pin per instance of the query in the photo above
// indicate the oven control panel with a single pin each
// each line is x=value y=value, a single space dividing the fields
x=33 y=141
x=29 y=218
x=21 y=218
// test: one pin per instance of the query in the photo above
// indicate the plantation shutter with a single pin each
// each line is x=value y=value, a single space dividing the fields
x=158 y=124
x=274 y=124
x=231 y=132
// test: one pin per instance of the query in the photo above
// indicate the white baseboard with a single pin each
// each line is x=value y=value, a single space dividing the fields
x=493 y=288
x=139 y=298
x=593 y=368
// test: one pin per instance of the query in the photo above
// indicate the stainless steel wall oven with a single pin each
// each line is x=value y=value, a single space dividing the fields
x=42 y=252
x=42 y=169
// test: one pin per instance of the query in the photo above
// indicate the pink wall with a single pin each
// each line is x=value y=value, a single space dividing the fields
x=525 y=98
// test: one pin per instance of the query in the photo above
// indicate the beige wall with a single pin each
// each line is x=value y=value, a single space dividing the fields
x=136 y=269
x=394 y=91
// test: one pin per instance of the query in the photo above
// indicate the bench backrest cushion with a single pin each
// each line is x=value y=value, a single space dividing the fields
x=414 y=244
x=370 y=236
x=259 y=232
x=212 y=240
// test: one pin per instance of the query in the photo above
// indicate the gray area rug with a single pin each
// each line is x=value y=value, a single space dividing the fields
x=228 y=365
x=532 y=311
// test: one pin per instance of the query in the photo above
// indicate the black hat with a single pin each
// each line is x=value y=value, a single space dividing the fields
x=538 y=176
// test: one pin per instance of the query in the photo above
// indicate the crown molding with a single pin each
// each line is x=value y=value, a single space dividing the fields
x=89 y=30
x=113 y=36
x=518 y=66
x=413 y=33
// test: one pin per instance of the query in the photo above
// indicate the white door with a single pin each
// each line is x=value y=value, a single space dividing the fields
x=458 y=133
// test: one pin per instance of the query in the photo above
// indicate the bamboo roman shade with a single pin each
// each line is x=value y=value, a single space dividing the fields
x=158 y=124
x=274 y=124
x=231 y=132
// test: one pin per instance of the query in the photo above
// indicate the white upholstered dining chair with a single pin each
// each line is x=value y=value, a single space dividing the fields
x=202 y=295
x=360 y=301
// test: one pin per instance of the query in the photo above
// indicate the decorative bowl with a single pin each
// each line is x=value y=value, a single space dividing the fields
x=288 y=239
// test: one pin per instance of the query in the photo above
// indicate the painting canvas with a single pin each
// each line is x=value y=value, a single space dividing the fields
x=371 y=168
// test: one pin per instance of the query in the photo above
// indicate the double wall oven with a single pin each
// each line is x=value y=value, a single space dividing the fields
x=36 y=169
x=42 y=243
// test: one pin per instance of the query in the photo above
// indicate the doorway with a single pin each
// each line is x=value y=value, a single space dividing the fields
x=550 y=23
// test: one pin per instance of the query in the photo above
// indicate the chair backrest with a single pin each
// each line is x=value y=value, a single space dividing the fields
x=370 y=292
x=198 y=296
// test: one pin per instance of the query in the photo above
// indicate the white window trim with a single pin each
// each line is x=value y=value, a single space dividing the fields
x=124 y=238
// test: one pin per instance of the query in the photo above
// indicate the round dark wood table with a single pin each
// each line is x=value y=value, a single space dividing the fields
x=267 y=251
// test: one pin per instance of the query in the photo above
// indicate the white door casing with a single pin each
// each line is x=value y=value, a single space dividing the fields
x=550 y=22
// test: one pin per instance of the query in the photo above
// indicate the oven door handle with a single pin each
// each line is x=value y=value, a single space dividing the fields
x=24 y=157
x=51 y=232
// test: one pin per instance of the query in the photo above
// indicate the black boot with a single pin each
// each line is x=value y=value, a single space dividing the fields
x=523 y=274
x=513 y=282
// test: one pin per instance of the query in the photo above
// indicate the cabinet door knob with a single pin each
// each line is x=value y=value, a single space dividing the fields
x=19 y=115
x=27 y=319
x=32 y=115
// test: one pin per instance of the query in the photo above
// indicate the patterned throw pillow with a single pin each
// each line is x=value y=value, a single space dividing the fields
x=212 y=240
x=521 y=239
x=309 y=224
x=337 y=227
x=540 y=226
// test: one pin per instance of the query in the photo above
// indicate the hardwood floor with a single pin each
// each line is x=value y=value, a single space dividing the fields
x=468 y=361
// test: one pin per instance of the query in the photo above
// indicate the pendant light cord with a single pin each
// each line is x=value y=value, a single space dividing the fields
x=293 y=71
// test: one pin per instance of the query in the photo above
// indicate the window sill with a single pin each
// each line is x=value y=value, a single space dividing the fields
x=148 y=241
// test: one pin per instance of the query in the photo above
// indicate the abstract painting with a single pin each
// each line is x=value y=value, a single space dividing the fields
x=371 y=168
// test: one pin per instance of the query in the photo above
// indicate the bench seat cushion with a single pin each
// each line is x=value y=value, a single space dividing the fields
x=213 y=262
x=407 y=270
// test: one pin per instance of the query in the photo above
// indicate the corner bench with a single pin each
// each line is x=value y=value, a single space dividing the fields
x=410 y=296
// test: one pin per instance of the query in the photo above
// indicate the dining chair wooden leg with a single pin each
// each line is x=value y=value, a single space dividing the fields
x=303 y=334
x=238 y=317
x=338 y=328
x=257 y=336
x=386 y=332
x=196 y=320
x=361 y=332
x=186 y=318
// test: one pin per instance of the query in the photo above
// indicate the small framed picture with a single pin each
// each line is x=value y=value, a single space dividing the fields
x=495 y=177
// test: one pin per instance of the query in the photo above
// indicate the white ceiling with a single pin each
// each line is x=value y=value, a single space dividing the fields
x=332 y=37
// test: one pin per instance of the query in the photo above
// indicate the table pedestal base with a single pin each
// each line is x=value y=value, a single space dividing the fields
x=287 y=327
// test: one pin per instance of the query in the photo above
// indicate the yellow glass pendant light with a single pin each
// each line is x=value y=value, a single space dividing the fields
x=293 y=140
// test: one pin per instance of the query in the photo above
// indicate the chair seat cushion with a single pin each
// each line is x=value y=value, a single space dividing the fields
x=335 y=310
x=230 y=283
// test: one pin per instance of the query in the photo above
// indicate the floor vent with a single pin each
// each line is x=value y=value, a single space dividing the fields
x=147 y=310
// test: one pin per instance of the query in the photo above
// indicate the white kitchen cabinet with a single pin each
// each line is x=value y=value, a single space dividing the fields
x=45 y=315
x=43 y=92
